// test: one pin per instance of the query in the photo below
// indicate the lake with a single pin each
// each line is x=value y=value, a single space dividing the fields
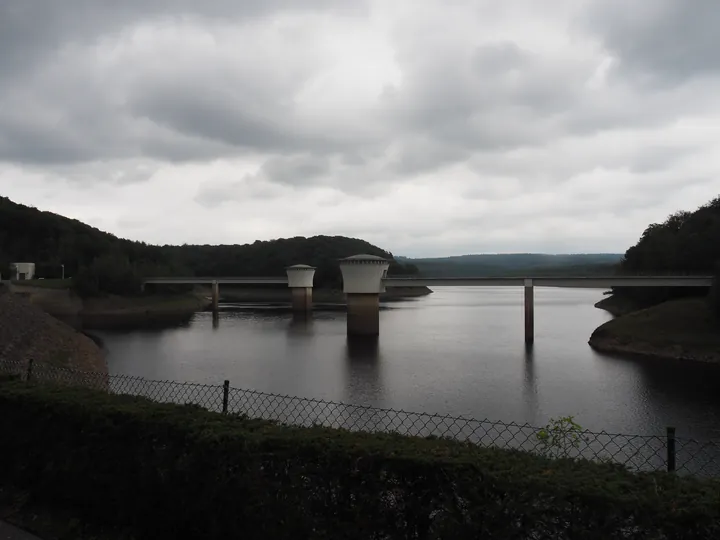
x=458 y=351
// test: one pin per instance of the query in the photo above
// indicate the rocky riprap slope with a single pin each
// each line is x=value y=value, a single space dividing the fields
x=26 y=332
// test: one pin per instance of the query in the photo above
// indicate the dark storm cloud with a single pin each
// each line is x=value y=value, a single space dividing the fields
x=206 y=110
x=493 y=97
x=63 y=101
x=456 y=98
x=660 y=41
x=205 y=116
x=426 y=125
x=31 y=29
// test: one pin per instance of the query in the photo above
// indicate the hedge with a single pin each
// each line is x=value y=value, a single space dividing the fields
x=181 y=472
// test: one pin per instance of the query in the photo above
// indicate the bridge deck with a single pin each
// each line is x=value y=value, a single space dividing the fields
x=575 y=282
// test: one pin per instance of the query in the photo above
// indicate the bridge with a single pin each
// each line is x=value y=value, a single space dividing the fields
x=578 y=282
x=365 y=277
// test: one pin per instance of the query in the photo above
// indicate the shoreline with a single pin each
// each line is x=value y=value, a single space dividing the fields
x=617 y=306
x=683 y=329
x=29 y=332
x=319 y=296
x=131 y=312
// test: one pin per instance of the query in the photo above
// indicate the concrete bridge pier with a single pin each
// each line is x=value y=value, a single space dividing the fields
x=529 y=312
x=362 y=285
x=215 y=296
x=300 y=280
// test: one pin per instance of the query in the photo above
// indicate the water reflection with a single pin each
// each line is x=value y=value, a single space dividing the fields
x=363 y=370
x=675 y=390
x=215 y=320
x=300 y=325
x=530 y=390
x=458 y=351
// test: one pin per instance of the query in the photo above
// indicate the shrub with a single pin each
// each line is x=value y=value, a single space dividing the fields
x=181 y=472
x=560 y=437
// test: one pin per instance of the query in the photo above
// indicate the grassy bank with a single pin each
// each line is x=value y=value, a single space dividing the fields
x=111 y=311
x=229 y=293
x=679 y=329
x=44 y=283
x=119 y=311
x=157 y=470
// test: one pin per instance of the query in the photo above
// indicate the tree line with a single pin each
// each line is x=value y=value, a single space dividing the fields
x=100 y=262
x=686 y=243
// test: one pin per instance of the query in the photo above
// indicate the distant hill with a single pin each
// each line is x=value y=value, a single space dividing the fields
x=517 y=264
x=102 y=262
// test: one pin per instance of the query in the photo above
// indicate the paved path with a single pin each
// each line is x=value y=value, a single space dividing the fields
x=9 y=532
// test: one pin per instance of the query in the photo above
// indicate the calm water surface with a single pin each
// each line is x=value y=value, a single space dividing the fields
x=458 y=351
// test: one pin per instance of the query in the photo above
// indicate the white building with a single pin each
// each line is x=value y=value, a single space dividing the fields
x=22 y=270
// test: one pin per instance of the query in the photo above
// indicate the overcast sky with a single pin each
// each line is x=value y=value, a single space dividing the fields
x=426 y=127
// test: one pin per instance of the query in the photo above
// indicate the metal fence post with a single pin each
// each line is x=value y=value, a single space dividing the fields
x=671 y=449
x=28 y=374
x=226 y=393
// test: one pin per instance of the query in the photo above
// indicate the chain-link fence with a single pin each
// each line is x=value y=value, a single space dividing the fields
x=559 y=439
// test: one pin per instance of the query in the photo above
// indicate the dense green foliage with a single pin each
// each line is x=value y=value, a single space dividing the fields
x=518 y=264
x=686 y=243
x=181 y=472
x=101 y=262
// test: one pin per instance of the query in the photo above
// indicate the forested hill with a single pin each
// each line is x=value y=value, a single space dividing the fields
x=103 y=261
x=517 y=264
x=685 y=243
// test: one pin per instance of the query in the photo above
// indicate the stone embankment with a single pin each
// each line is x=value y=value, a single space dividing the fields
x=26 y=332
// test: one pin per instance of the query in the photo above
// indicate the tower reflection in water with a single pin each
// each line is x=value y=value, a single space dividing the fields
x=364 y=384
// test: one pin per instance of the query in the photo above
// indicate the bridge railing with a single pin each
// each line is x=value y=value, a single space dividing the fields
x=636 y=452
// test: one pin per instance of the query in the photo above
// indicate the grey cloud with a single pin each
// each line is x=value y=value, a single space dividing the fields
x=422 y=154
x=50 y=69
x=661 y=41
x=655 y=158
x=296 y=170
x=31 y=29
x=272 y=179
x=250 y=187
x=213 y=194
x=562 y=161
x=453 y=102
x=117 y=172
x=100 y=91
x=203 y=115
x=496 y=96
x=24 y=144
